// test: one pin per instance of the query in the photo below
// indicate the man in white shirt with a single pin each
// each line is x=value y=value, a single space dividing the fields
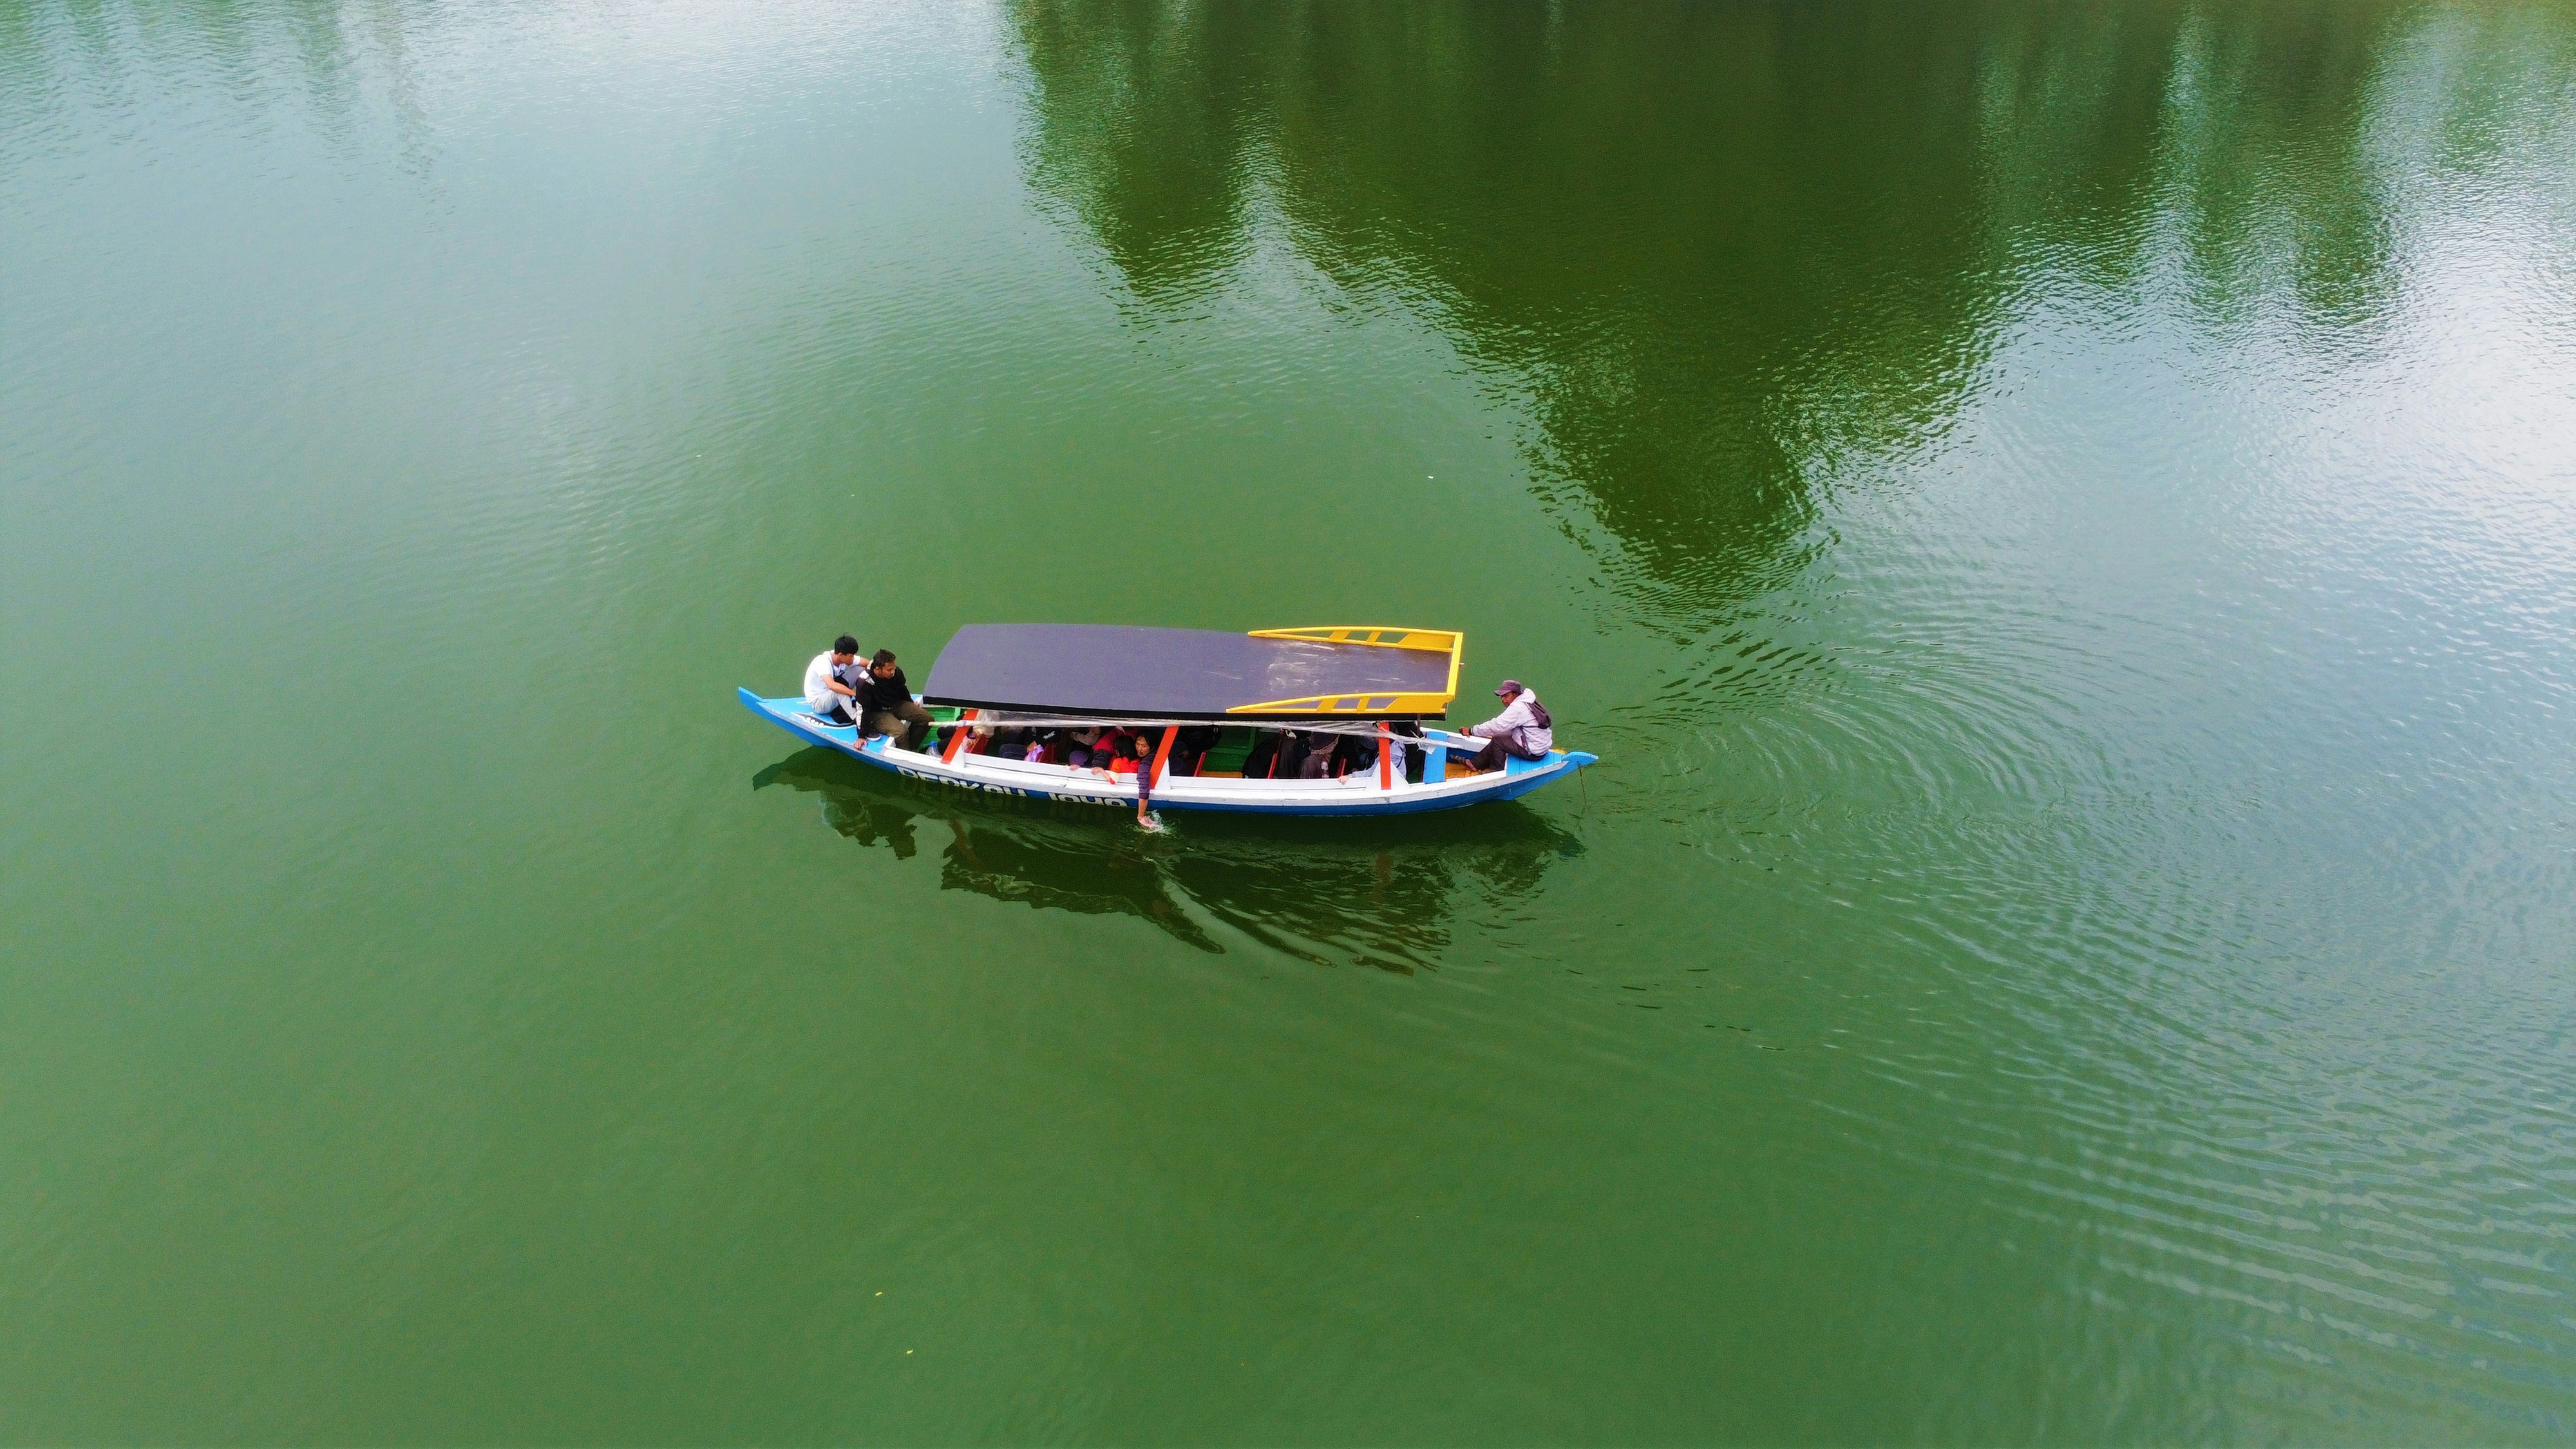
x=832 y=682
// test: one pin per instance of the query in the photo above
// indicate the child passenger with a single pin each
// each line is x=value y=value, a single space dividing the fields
x=1123 y=758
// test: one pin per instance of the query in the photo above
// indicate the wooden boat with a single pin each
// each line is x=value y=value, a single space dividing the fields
x=1338 y=680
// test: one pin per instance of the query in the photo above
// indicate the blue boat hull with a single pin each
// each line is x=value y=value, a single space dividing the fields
x=1355 y=797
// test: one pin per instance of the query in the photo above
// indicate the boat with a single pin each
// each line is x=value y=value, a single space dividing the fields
x=1362 y=680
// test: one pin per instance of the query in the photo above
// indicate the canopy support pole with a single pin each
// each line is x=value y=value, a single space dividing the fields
x=957 y=740
x=1162 y=752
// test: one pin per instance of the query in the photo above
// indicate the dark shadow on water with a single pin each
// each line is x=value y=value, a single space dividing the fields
x=1382 y=893
x=1685 y=239
x=1720 y=257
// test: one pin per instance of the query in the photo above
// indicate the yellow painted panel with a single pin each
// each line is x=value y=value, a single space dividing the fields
x=1384 y=636
x=1352 y=704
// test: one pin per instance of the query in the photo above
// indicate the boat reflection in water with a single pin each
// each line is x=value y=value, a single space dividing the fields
x=1329 y=891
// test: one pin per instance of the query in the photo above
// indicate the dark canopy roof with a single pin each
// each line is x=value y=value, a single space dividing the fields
x=1114 y=670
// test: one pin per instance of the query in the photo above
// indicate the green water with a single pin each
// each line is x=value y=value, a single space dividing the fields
x=2060 y=522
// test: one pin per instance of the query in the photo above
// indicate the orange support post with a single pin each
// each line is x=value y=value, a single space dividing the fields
x=957 y=741
x=1162 y=753
x=1385 y=757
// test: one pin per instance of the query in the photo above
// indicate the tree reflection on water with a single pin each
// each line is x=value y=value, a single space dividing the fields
x=1719 y=257
x=1377 y=892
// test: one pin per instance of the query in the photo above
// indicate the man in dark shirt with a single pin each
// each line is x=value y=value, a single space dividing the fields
x=886 y=703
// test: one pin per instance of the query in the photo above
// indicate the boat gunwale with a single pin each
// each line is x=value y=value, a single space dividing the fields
x=1353 y=794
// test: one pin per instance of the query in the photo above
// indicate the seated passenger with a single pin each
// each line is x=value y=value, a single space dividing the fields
x=1331 y=756
x=887 y=707
x=1523 y=731
x=1190 y=748
x=1318 y=761
x=1354 y=755
x=1082 y=749
x=1113 y=756
x=1295 y=749
x=1263 y=762
x=1312 y=757
x=1409 y=759
x=832 y=682
x=1105 y=748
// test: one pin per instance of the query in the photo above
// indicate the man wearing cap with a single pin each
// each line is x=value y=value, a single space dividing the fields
x=1522 y=731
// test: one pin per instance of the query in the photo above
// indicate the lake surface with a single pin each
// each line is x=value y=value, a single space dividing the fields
x=2059 y=521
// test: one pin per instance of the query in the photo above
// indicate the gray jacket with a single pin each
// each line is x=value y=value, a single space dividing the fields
x=1518 y=726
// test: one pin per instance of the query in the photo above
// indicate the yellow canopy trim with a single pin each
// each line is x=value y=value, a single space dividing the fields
x=1384 y=636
